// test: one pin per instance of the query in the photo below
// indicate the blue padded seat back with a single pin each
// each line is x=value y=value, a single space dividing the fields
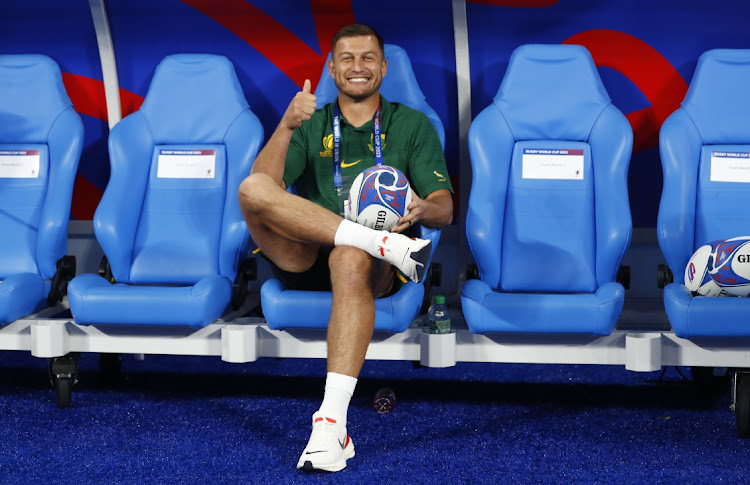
x=181 y=215
x=718 y=100
x=710 y=131
x=548 y=211
x=32 y=95
x=549 y=242
x=718 y=103
x=531 y=95
x=720 y=203
x=40 y=142
x=170 y=214
x=21 y=200
x=193 y=96
x=399 y=86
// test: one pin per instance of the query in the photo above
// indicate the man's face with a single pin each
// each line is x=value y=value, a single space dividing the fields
x=357 y=66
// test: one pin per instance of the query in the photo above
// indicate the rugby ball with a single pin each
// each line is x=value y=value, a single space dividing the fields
x=378 y=197
x=731 y=266
x=698 y=272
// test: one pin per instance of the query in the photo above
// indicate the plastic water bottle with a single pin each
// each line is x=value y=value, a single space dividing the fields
x=439 y=317
x=384 y=401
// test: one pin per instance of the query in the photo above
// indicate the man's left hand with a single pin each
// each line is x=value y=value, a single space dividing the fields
x=416 y=212
x=436 y=210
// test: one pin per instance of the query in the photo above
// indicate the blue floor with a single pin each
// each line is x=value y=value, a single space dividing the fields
x=175 y=419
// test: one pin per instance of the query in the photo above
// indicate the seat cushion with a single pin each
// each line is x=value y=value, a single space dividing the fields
x=284 y=308
x=706 y=316
x=20 y=295
x=94 y=300
x=486 y=310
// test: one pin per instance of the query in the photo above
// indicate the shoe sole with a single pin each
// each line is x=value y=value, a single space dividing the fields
x=332 y=467
x=422 y=256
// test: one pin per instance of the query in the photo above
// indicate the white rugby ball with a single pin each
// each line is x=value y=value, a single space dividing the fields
x=698 y=272
x=378 y=197
x=731 y=266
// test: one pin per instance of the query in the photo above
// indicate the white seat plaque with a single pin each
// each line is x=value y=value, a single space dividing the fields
x=730 y=167
x=19 y=164
x=552 y=163
x=186 y=164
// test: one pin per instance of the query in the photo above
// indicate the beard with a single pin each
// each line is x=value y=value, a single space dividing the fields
x=357 y=94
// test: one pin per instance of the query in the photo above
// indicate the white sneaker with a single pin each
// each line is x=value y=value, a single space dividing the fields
x=409 y=255
x=329 y=446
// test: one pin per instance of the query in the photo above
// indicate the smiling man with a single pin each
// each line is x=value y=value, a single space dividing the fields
x=306 y=239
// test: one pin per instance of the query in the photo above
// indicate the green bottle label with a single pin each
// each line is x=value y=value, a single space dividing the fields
x=440 y=326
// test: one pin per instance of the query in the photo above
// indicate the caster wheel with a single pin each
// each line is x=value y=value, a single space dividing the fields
x=63 y=372
x=63 y=391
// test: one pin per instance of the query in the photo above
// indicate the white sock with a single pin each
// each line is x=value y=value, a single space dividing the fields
x=339 y=390
x=352 y=234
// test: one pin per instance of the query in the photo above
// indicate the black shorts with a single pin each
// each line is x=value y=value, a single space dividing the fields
x=318 y=276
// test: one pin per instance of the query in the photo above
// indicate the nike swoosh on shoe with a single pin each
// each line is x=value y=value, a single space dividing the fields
x=421 y=257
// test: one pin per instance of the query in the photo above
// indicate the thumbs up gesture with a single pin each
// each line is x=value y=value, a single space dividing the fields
x=301 y=108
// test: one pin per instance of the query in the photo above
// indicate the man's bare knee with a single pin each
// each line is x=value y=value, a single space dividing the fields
x=255 y=192
x=354 y=269
x=350 y=266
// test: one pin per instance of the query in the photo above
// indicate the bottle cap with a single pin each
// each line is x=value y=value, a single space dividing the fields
x=440 y=299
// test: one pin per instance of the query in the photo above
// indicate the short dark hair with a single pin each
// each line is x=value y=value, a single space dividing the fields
x=356 y=30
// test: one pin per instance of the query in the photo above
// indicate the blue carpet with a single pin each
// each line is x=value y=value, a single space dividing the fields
x=175 y=419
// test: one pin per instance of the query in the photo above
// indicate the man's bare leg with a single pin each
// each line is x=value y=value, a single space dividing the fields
x=356 y=280
x=289 y=230
x=356 y=277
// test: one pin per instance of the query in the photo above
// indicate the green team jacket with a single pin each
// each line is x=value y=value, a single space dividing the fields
x=409 y=140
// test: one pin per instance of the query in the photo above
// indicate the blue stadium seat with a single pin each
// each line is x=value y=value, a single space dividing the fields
x=41 y=137
x=284 y=308
x=169 y=221
x=548 y=219
x=697 y=207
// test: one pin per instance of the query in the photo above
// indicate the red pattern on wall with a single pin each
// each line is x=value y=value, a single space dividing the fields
x=288 y=52
x=330 y=16
x=651 y=72
x=87 y=96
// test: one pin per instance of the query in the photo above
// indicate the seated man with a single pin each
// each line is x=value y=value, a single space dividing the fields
x=306 y=239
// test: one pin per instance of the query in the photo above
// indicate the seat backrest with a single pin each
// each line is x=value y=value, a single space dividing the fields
x=548 y=210
x=41 y=137
x=399 y=86
x=705 y=153
x=170 y=214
